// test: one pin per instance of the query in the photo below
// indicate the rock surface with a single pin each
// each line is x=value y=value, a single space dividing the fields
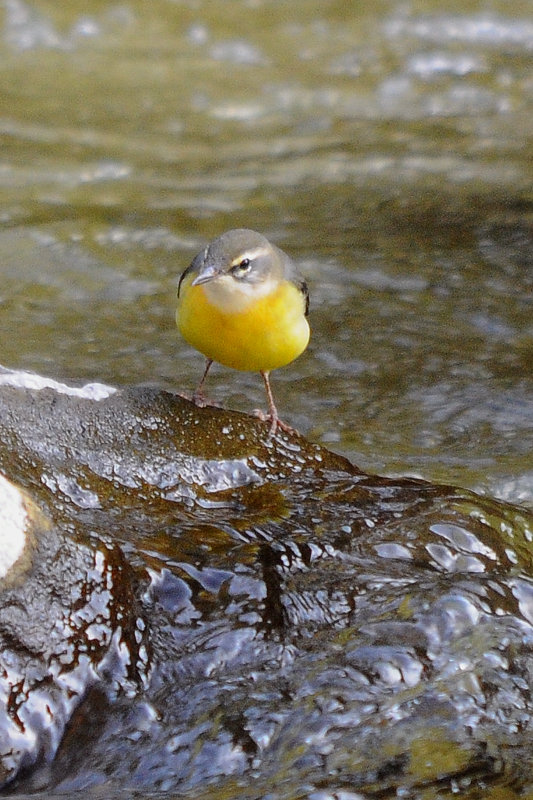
x=219 y=614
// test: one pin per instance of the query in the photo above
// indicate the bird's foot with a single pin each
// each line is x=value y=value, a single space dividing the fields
x=275 y=423
x=200 y=400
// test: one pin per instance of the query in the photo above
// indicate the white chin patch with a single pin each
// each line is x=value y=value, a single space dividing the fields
x=232 y=295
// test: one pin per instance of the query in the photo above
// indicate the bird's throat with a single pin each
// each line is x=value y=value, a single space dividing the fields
x=234 y=297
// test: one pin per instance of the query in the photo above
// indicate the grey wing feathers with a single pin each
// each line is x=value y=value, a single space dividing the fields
x=183 y=275
x=193 y=267
x=305 y=291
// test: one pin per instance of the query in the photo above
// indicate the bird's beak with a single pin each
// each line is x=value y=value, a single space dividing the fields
x=206 y=275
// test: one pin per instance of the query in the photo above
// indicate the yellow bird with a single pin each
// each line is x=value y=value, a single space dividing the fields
x=243 y=304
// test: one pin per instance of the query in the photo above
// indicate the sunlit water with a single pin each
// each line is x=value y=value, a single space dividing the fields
x=387 y=150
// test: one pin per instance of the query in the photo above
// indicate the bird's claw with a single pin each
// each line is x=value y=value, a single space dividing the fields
x=275 y=423
x=201 y=401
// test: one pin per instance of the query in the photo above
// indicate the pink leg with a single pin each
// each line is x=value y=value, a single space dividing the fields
x=198 y=397
x=273 y=416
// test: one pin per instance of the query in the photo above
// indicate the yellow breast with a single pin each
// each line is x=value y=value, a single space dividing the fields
x=245 y=332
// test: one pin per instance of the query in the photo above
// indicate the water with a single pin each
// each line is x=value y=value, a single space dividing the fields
x=387 y=149
x=204 y=610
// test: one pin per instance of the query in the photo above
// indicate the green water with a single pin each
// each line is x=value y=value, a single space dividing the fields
x=387 y=148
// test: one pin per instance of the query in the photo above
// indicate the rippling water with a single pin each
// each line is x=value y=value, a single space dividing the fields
x=388 y=149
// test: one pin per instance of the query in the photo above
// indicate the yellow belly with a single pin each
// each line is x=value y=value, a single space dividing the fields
x=267 y=333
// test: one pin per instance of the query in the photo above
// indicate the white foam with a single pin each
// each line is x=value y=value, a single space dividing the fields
x=30 y=380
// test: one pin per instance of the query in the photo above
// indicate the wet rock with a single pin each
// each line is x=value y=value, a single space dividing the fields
x=312 y=630
x=65 y=626
x=140 y=442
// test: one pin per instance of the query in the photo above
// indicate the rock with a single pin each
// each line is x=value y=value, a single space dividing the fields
x=294 y=626
x=62 y=630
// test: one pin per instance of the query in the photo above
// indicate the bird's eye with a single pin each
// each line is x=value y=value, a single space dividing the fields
x=242 y=267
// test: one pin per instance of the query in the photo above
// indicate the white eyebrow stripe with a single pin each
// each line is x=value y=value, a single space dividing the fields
x=250 y=254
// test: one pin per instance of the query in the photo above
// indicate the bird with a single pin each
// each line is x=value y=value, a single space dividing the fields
x=243 y=303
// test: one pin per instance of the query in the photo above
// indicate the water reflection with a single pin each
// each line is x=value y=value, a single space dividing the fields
x=275 y=638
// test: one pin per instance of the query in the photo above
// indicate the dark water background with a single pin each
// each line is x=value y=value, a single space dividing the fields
x=386 y=146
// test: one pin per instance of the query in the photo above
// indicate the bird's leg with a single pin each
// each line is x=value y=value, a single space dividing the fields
x=198 y=397
x=272 y=416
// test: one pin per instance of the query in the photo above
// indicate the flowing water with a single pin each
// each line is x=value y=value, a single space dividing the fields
x=388 y=148
x=385 y=146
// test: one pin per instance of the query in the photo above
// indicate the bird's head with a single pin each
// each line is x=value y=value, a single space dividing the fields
x=240 y=263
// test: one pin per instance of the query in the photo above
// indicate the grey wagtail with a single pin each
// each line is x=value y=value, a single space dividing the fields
x=243 y=304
